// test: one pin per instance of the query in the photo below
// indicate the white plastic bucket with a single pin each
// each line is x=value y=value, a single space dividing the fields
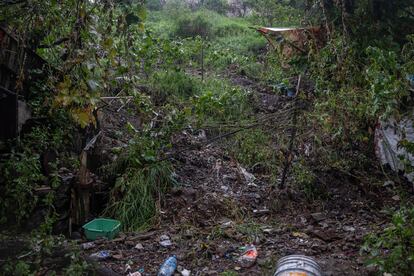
x=297 y=265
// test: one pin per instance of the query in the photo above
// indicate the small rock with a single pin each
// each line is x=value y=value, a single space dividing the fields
x=118 y=256
x=166 y=243
x=318 y=216
x=185 y=272
x=226 y=224
x=164 y=237
x=267 y=230
x=300 y=235
x=349 y=228
x=303 y=220
x=237 y=268
x=88 y=245
x=323 y=225
x=129 y=243
x=224 y=188
x=139 y=246
x=396 y=198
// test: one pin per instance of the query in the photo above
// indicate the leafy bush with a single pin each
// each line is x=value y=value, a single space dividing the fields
x=221 y=102
x=192 y=26
x=173 y=85
x=392 y=251
x=305 y=181
x=253 y=147
x=386 y=89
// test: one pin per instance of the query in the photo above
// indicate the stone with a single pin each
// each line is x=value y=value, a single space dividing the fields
x=318 y=216
x=139 y=246
x=349 y=228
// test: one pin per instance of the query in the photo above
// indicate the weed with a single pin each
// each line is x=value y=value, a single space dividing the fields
x=229 y=273
x=172 y=85
x=221 y=101
x=22 y=173
x=251 y=148
x=140 y=184
x=392 y=251
x=305 y=180
x=136 y=195
x=198 y=25
x=250 y=229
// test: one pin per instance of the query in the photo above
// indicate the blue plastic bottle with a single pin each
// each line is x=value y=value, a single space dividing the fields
x=168 y=267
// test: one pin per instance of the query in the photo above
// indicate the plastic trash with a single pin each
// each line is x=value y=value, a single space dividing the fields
x=168 y=267
x=389 y=134
x=249 y=256
x=88 y=245
x=101 y=255
x=165 y=241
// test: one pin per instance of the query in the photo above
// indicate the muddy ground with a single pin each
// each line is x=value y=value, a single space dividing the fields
x=220 y=207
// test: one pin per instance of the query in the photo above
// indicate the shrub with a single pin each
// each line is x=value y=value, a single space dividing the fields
x=189 y=26
x=140 y=183
x=172 y=85
x=221 y=102
x=219 y=6
x=392 y=251
x=252 y=148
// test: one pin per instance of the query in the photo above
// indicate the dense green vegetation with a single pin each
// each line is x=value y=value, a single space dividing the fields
x=187 y=59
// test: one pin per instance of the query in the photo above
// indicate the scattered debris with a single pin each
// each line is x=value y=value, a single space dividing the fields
x=88 y=245
x=165 y=241
x=249 y=256
x=250 y=178
x=101 y=255
x=168 y=267
x=390 y=137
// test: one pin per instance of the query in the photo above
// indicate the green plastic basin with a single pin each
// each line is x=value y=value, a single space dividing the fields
x=101 y=227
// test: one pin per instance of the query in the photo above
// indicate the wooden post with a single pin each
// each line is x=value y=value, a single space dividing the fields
x=288 y=156
x=202 y=59
x=81 y=194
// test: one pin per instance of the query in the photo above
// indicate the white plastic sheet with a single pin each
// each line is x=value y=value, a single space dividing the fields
x=388 y=136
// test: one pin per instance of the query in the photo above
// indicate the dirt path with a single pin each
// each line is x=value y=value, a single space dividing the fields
x=220 y=207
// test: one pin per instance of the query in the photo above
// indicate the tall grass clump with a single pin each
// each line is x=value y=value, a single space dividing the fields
x=173 y=85
x=137 y=193
x=221 y=102
x=140 y=183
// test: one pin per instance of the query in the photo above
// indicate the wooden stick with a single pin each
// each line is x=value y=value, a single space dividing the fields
x=288 y=157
